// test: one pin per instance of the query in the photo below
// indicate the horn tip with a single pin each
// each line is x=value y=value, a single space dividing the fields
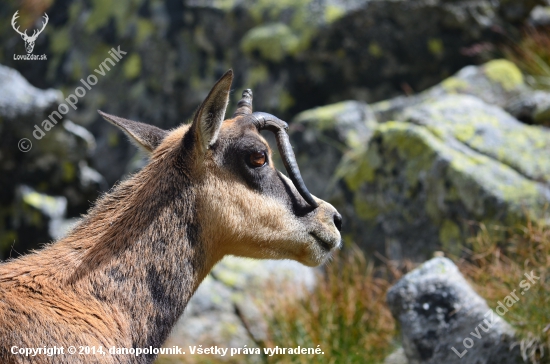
x=244 y=106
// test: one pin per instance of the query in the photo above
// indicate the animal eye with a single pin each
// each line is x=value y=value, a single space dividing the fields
x=257 y=159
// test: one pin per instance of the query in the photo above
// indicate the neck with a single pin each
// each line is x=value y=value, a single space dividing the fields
x=151 y=280
x=137 y=255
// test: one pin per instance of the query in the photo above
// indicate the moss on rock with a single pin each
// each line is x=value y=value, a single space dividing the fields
x=488 y=130
x=498 y=82
x=505 y=73
x=454 y=85
x=273 y=42
x=325 y=117
x=420 y=190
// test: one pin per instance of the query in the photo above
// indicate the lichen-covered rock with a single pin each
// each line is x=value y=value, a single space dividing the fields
x=55 y=165
x=464 y=160
x=532 y=107
x=489 y=130
x=385 y=47
x=273 y=42
x=498 y=82
x=417 y=191
x=438 y=311
x=495 y=82
x=320 y=137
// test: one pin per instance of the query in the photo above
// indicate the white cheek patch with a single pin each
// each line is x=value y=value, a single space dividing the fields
x=249 y=215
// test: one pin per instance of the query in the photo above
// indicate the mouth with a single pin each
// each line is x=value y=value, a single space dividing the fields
x=327 y=247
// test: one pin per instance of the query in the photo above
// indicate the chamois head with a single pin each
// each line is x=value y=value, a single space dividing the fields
x=243 y=205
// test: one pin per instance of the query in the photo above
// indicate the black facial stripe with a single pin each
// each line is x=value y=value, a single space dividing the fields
x=299 y=206
x=265 y=179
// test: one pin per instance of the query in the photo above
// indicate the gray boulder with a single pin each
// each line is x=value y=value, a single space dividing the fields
x=417 y=188
x=321 y=136
x=443 y=320
x=540 y=16
x=498 y=82
x=454 y=157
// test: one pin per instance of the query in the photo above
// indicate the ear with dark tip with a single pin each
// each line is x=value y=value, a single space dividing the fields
x=209 y=118
x=145 y=136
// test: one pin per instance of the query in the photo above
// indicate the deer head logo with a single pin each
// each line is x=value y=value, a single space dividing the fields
x=29 y=40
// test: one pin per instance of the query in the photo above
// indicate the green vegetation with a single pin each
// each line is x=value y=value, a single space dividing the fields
x=273 y=42
x=532 y=56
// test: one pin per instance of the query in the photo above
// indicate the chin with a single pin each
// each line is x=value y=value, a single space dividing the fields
x=316 y=258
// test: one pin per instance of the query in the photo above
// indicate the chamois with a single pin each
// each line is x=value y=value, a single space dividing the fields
x=123 y=276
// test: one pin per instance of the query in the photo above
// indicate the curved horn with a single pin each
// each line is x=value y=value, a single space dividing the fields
x=244 y=107
x=265 y=121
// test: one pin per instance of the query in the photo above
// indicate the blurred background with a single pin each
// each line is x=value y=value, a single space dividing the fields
x=423 y=121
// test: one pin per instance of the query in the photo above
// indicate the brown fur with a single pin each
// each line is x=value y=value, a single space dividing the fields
x=124 y=275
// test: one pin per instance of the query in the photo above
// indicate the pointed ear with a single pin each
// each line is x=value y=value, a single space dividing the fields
x=210 y=115
x=145 y=136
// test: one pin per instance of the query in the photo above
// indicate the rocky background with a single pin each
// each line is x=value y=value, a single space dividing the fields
x=403 y=114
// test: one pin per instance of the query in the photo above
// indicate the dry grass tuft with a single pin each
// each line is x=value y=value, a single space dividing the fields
x=346 y=314
x=497 y=260
x=532 y=56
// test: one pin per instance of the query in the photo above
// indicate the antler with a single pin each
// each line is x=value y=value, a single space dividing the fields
x=15 y=16
x=33 y=36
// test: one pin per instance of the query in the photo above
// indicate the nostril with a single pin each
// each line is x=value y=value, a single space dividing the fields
x=338 y=221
